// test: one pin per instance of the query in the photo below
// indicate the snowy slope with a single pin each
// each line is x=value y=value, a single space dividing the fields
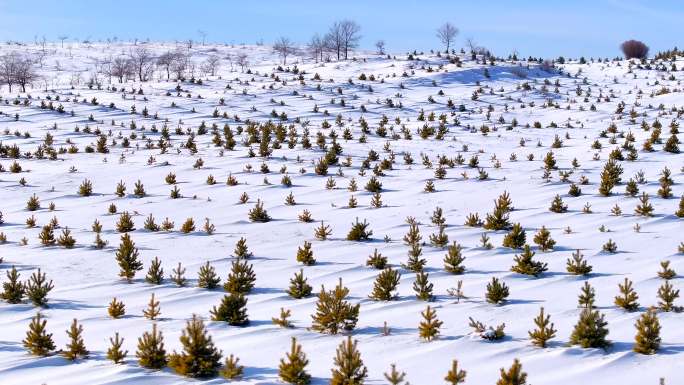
x=86 y=278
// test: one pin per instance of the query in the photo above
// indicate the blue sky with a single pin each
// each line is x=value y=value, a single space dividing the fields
x=540 y=28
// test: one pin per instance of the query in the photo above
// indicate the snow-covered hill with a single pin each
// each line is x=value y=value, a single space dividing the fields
x=505 y=117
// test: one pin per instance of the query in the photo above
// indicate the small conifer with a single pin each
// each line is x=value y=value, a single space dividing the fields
x=38 y=341
x=513 y=376
x=349 y=368
x=155 y=274
x=497 y=292
x=241 y=278
x=232 y=309
x=428 y=329
x=114 y=352
x=37 y=288
x=292 y=368
x=207 y=277
x=116 y=308
x=13 y=289
x=151 y=353
x=305 y=254
x=544 y=330
x=590 y=330
x=423 y=287
x=453 y=260
x=628 y=297
x=524 y=264
x=299 y=288
x=200 y=357
x=647 y=338
x=455 y=375
x=76 y=347
x=153 y=310
x=516 y=238
x=385 y=284
x=127 y=257
x=231 y=368
x=333 y=312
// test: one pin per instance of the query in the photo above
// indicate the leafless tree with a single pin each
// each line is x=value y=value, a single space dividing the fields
x=8 y=69
x=446 y=34
x=350 y=31
x=284 y=47
x=165 y=61
x=212 y=64
x=62 y=38
x=470 y=43
x=334 y=40
x=380 y=47
x=242 y=61
x=179 y=64
x=316 y=47
x=230 y=61
x=142 y=61
x=203 y=34
x=121 y=68
x=25 y=72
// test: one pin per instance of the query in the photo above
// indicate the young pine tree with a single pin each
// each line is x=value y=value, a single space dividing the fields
x=207 y=277
x=305 y=254
x=292 y=368
x=428 y=329
x=453 y=259
x=241 y=249
x=13 y=289
x=497 y=292
x=543 y=239
x=349 y=368
x=513 y=376
x=116 y=309
x=587 y=296
x=299 y=288
x=628 y=297
x=544 y=330
x=385 y=285
x=666 y=297
x=199 y=358
x=153 y=311
x=333 y=312
x=76 y=347
x=647 y=339
x=525 y=264
x=151 y=353
x=590 y=330
x=516 y=238
x=422 y=287
x=232 y=309
x=455 y=375
x=38 y=341
x=155 y=274
x=394 y=377
x=127 y=258
x=37 y=288
x=115 y=353
x=241 y=278
x=231 y=368
x=578 y=265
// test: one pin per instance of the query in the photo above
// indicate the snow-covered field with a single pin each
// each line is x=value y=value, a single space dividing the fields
x=86 y=278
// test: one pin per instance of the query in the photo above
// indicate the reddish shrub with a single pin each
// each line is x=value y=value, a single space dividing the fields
x=634 y=49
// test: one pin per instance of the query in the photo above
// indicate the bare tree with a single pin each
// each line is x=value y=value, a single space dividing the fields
x=470 y=43
x=121 y=68
x=204 y=35
x=446 y=34
x=350 y=36
x=212 y=64
x=142 y=61
x=230 y=61
x=334 y=40
x=62 y=38
x=380 y=47
x=165 y=61
x=8 y=69
x=242 y=61
x=25 y=72
x=284 y=47
x=316 y=47
x=179 y=64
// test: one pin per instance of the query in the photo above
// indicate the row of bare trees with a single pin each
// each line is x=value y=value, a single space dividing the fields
x=16 y=69
x=342 y=37
x=140 y=64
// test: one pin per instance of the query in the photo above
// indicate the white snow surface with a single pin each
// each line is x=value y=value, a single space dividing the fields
x=86 y=278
